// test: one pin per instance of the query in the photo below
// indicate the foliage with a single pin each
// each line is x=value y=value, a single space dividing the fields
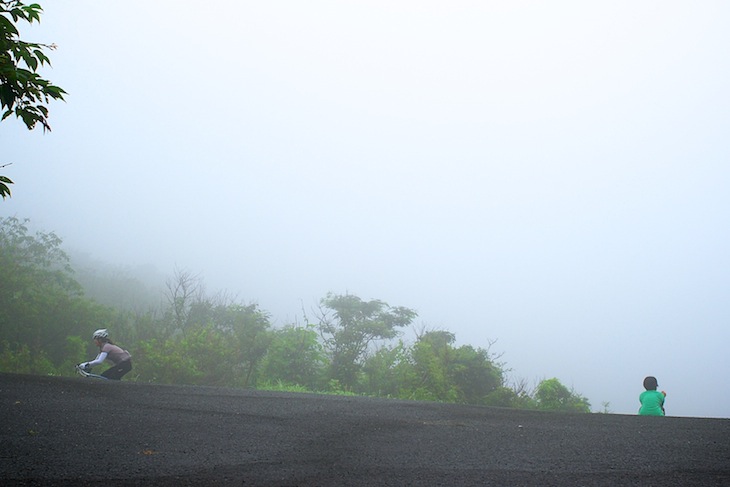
x=22 y=90
x=40 y=302
x=19 y=359
x=197 y=359
x=501 y=397
x=294 y=356
x=281 y=386
x=185 y=291
x=335 y=387
x=551 y=395
x=432 y=356
x=116 y=286
x=166 y=362
x=473 y=374
x=74 y=353
x=348 y=326
x=246 y=329
x=4 y=188
x=454 y=374
x=222 y=345
x=389 y=371
x=46 y=322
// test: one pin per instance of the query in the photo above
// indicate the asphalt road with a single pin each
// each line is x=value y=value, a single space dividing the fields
x=76 y=431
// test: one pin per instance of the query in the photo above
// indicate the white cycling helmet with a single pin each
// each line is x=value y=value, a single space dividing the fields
x=101 y=333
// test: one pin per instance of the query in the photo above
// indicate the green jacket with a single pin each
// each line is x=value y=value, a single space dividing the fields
x=652 y=403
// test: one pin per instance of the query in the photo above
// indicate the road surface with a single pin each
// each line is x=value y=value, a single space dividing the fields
x=77 y=432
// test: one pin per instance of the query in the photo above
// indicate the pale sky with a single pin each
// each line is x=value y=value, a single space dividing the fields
x=550 y=175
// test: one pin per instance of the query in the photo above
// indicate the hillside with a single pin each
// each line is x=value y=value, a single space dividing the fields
x=75 y=431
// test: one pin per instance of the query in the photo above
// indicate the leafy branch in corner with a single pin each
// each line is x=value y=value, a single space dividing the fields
x=4 y=181
x=23 y=91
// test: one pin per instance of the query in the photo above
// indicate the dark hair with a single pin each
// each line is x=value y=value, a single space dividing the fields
x=650 y=383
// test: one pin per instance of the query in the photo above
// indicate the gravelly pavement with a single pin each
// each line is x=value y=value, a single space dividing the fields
x=76 y=431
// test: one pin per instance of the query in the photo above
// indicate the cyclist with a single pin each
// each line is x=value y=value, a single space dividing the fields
x=121 y=359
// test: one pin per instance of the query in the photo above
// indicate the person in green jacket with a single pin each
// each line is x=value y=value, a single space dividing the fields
x=652 y=401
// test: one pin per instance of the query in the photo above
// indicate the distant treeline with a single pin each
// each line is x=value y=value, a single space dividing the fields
x=351 y=346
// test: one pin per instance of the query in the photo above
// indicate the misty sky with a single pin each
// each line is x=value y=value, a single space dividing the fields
x=550 y=175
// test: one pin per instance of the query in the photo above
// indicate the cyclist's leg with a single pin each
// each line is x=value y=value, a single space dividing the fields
x=117 y=372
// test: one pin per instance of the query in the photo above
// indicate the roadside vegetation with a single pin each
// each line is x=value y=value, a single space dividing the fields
x=348 y=345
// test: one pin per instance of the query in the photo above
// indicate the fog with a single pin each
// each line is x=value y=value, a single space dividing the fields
x=548 y=176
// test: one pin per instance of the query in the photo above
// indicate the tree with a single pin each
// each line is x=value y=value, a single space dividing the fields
x=41 y=304
x=474 y=374
x=184 y=291
x=389 y=372
x=432 y=359
x=294 y=357
x=251 y=338
x=551 y=395
x=454 y=374
x=223 y=345
x=22 y=90
x=35 y=280
x=517 y=395
x=348 y=326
